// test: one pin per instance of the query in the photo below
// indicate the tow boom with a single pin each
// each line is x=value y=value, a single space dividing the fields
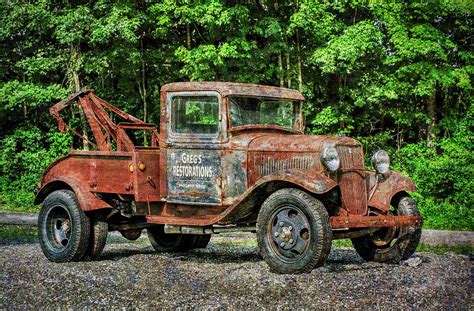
x=103 y=128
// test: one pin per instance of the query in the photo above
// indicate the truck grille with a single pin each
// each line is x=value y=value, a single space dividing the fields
x=352 y=179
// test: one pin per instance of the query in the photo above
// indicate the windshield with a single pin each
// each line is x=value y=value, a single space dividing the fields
x=265 y=111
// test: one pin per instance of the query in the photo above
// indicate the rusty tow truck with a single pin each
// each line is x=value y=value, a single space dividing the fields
x=226 y=157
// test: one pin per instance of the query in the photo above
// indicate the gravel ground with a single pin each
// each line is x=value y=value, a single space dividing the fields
x=132 y=275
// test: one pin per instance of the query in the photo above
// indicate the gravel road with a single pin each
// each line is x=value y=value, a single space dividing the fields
x=132 y=275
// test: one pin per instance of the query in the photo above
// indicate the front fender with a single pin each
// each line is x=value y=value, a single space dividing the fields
x=87 y=200
x=314 y=182
x=251 y=200
x=383 y=188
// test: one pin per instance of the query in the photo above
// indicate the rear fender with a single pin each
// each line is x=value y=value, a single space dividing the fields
x=248 y=204
x=386 y=187
x=87 y=200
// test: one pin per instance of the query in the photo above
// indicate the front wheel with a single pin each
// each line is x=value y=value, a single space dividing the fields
x=293 y=231
x=391 y=244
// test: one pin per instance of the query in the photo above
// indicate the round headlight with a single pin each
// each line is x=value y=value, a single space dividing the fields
x=381 y=161
x=330 y=158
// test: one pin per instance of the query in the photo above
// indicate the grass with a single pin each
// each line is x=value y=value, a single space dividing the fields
x=422 y=247
x=18 y=234
x=234 y=242
x=444 y=249
x=24 y=234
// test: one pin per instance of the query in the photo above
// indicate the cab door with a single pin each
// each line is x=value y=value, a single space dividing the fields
x=194 y=148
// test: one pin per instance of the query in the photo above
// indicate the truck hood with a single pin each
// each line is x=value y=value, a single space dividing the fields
x=297 y=143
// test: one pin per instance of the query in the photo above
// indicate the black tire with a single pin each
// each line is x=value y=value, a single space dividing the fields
x=391 y=245
x=201 y=241
x=163 y=242
x=98 y=238
x=299 y=221
x=131 y=235
x=63 y=227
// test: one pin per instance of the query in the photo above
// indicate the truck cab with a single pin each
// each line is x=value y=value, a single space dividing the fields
x=226 y=157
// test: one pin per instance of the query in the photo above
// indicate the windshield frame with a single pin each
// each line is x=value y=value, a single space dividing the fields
x=298 y=130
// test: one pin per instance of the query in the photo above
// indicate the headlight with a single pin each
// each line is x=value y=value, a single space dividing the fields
x=381 y=161
x=330 y=158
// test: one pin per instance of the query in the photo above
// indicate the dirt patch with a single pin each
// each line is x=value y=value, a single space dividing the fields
x=132 y=275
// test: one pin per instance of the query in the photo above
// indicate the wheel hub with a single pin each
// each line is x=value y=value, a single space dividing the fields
x=384 y=236
x=290 y=232
x=66 y=226
x=285 y=235
x=59 y=227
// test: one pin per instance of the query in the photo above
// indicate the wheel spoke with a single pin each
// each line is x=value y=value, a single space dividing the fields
x=276 y=221
x=60 y=235
x=288 y=253
x=283 y=216
x=299 y=224
x=300 y=245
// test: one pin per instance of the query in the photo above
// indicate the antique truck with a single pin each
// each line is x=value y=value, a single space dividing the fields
x=227 y=157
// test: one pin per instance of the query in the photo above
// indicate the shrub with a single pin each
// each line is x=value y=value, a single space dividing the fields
x=24 y=155
x=444 y=177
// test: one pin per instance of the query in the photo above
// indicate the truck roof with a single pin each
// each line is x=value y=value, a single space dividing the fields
x=231 y=88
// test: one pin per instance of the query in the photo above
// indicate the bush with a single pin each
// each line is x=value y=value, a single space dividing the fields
x=444 y=178
x=24 y=155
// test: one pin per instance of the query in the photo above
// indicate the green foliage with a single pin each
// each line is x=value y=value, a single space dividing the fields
x=14 y=95
x=18 y=234
x=397 y=75
x=23 y=157
x=444 y=177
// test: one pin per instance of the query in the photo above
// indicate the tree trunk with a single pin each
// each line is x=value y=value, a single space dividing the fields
x=288 y=69
x=431 y=111
x=280 y=67
x=188 y=35
x=298 y=55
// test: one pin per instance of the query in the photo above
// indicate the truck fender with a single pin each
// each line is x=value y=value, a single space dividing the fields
x=382 y=188
x=87 y=200
x=250 y=201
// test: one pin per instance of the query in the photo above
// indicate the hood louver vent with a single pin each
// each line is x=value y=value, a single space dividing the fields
x=266 y=165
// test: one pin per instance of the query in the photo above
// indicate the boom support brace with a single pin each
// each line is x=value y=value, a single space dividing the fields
x=103 y=128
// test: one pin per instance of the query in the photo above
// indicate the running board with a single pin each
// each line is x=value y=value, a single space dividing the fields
x=175 y=229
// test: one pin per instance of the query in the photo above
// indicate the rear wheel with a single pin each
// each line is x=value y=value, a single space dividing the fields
x=131 y=235
x=293 y=231
x=201 y=241
x=163 y=242
x=63 y=228
x=98 y=237
x=392 y=244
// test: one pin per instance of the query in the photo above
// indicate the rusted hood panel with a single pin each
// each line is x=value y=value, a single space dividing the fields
x=300 y=143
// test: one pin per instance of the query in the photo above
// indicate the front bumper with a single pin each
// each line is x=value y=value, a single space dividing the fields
x=339 y=222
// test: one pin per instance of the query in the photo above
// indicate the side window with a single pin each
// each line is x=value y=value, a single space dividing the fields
x=195 y=115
